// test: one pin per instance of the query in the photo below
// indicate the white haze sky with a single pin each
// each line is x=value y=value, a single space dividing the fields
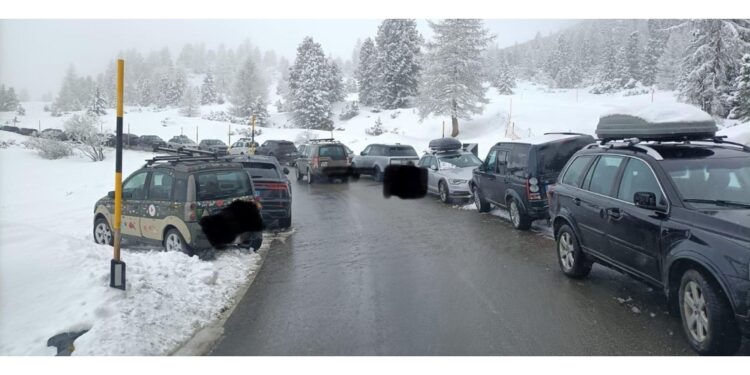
x=34 y=54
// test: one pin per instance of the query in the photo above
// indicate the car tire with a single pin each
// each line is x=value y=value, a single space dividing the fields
x=299 y=175
x=707 y=317
x=103 y=232
x=572 y=261
x=479 y=201
x=377 y=174
x=309 y=176
x=518 y=216
x=285 y=222
x=355 y=174
x=173 y=241
x=444 y=193
x=256 y=240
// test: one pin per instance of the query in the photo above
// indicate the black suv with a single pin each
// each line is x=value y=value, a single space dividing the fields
x=516 y=174
x=272 y=188
x=673 y=214
x=150 y=142
x=284 y=151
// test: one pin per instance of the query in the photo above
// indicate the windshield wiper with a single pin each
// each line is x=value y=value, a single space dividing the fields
x=718 y=202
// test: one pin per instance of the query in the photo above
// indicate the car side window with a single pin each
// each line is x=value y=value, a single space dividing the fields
x=367 y=150
x=575 y=171
x=491 y=162
x=518 y=160
x=433 y=162
x=502 y=162
x=637 y=177
x=160 y=187
x=604 y=173
x=136 y=186
x=424 y=161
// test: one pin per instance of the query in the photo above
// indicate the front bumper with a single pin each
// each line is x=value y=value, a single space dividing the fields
x=459 y=191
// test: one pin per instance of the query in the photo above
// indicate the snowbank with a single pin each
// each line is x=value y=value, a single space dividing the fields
x=54 y=278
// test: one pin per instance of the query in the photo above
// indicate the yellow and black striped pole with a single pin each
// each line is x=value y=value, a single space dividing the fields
x=117 y=267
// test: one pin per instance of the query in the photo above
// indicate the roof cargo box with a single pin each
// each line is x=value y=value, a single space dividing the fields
x=445 y=144
x=657 y=122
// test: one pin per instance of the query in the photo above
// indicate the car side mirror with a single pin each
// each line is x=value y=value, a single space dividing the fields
x=645 y=200
x=362 y=153
x=286 y=170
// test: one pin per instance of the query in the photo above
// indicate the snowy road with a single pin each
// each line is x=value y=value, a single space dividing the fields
x=363 y=275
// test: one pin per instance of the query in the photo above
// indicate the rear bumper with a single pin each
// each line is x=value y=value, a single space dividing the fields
x=334 y=171
x=271 y=216
x=538 y=210
x=198 y=240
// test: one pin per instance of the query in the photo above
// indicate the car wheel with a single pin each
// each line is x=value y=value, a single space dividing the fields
x=298 y=174
x=444 y=193
x=518 y=216
x=309 y=176
x=707 y=317
x=378 y=174
x=286 y=222
x=573 y=262
x=173 y=241
x=102 y=232
x=482 y=205
x=256 y=240
x=355 y=174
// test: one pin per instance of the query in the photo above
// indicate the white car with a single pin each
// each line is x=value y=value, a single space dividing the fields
x=243 y=147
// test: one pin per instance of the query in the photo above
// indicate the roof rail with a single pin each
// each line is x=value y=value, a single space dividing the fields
x=565 y=133
x=185 y=151
x=322 y=140
x=632 y=143
x=184 y=154
x=721 y=141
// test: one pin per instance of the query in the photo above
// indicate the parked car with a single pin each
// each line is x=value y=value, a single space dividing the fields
x=324 y=158
x=150 y=142
x=301 y=149
x=9 y=128
x=130 y=140
x=272 y=188
x=449 y=170
x=56 y=134
x=284 y=151
x=110 y=139
x=163 y=201
x=213 y=145
x=675 y=215
x=28 y=131
x=244 y=146
x=515 y=175
x=375 y=157
x=181 y=141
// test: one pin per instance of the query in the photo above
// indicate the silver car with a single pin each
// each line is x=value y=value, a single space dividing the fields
x=376 y=157
x=181 y=141
x=449 y=173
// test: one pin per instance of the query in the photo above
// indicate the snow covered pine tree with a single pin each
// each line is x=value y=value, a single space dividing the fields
x=398 y=46
x=741 y=108
x=452 y=81
x=309 y=79
x=366 y=73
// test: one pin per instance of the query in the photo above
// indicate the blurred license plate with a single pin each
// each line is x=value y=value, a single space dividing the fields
x=324 y=164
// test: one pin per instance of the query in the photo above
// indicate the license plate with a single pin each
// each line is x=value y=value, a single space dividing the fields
x=324 y=164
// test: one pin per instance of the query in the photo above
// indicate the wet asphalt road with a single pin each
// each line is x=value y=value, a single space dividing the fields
x=364 y=275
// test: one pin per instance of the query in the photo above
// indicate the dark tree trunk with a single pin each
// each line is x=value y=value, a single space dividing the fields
x=454 y=120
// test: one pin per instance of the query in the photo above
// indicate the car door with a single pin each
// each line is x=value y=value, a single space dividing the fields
x=499 y=182
x=485 y=173
x=133 y=196
x=156 y=206
x=363 y=159
x=599 y=185
x=432 y=174
x=633 y=233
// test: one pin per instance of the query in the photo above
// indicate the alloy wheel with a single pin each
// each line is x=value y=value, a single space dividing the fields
x=566 y=250
x=515 y=216
x=102 y=234
x=695 y=311
x=173 y=243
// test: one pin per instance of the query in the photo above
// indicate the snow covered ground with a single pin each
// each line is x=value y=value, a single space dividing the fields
x=54 y=279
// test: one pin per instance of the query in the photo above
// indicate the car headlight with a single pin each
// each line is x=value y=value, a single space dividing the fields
x=457 y=181
x=534 y=188
x=533 y=181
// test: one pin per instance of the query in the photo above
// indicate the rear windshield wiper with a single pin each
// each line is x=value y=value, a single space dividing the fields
x=718 y=202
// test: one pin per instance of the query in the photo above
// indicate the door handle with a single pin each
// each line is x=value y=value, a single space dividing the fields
x=614 y=213
x=577 y=201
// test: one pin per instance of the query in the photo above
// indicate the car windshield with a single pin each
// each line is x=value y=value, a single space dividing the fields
x=711 y=182
x=459 y=161
x=402 y=151
x=222 y=184
x=262 y=170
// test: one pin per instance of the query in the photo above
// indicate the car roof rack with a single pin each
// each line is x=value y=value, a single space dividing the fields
x=318 y=140
x=185 y=154
x=638 y=145
x=565 y=133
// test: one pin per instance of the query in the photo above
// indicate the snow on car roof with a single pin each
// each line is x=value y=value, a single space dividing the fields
x=540 y=139
x=661 y=113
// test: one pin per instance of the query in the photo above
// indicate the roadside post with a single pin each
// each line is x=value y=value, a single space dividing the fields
x=117 y=266
x=443 y=128
x=229 y=134
x=196 y=134
x=252 y=143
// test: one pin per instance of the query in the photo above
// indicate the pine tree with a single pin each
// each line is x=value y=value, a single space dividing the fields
x=248 y=87
x=366 y=73
x=21 y=111
x=69 y=98
x=10 y=101
x=308 y=82
x=190 y=103
x=2 y=98
x=633 y=57
x=97 y=104
x=452 y=81
x=668 y=67
x=741 y=108
x=260 y=111
x=657 y=41
x=398 y=44
x=145 y=98
x=335 y=84
x=177 y=87
x=164 y=87
x=501 y=75
x=560 y=64
x=711 y=65
x=208 y=89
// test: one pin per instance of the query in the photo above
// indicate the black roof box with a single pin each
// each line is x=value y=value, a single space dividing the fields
x=445 y=144
x=657 y=122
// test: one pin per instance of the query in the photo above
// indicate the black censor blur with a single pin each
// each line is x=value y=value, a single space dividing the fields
x=405 y=181
x=238 y=218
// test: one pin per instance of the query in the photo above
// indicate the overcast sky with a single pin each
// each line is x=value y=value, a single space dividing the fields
x=34 y=54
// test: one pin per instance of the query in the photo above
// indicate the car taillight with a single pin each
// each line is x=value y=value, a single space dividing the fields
x=190 y=214
x=315 y=161
x=532 y=189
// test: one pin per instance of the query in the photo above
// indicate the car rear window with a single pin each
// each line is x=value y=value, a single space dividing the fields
x=335 y=152
x=222 y=184
x=262 y=170
x=402 y=151
x=552 y=157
